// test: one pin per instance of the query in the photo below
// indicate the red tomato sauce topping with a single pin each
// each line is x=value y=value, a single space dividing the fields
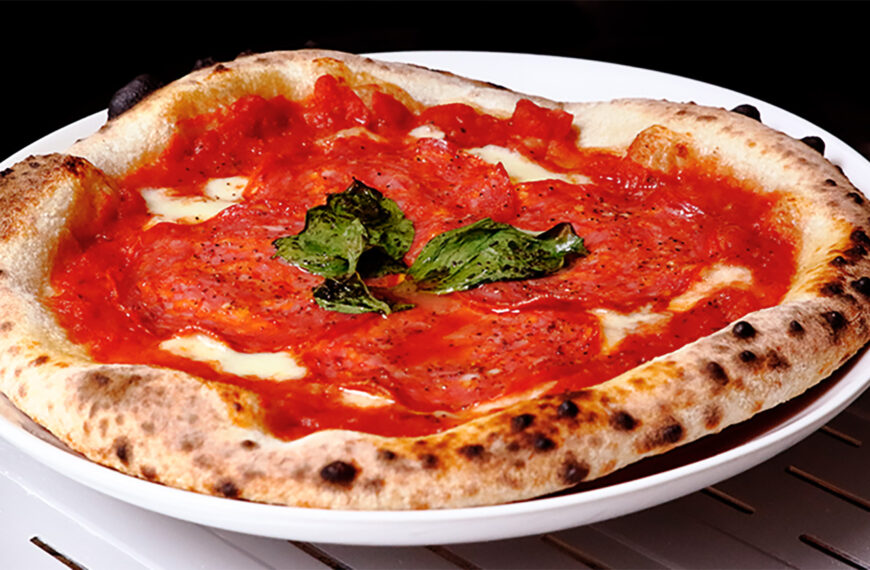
x=651 y=236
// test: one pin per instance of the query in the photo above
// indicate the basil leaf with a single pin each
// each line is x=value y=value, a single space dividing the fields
x=488 y=251
x=351 y=295
x=357 y=221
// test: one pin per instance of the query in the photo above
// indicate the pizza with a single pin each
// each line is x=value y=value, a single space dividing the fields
x=315 y=279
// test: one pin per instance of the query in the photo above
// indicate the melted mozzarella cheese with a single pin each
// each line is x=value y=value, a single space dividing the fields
x=714 y=278
x=616 y=326
x=275 y=366
x=427 y=132
x=521 y=169
x=165 y=205
x=361 y=399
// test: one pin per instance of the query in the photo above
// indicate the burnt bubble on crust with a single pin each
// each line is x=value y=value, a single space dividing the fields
x=862 y=285
x=835 y=320
x=795 y=328
x=339 y=473
x=567 y=409
x=128 y=95
x=742 y=329
x=747 y=110
x=815 y=143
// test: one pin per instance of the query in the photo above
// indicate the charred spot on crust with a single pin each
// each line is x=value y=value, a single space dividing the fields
x=574 y=472
x=127 y=96
x=543 y=443
x=227 y=488
x=835 y=320
x=567 y=409
x=712 y=417
x=249 y=444
x=522 y=421
x=386 y=455
x=795 y=328
x=39 y=360
x=716 y=373
x=856 y=252
x=623 y=421
x=473 y=451
x=815 y=143
x=747 y=356
x=775 y=360
x=742 y=329
x=148 y=472
x=830 y=182
x=747 y=110
x=860 y=237
x=839 y=261
x=831 y=289
x=338 y=473
x=856 y=197
x=123 y=449
x=429 y=461
x=668 y=434
x=862 y=285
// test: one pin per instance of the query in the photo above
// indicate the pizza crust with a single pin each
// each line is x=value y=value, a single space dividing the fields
x=172 y=428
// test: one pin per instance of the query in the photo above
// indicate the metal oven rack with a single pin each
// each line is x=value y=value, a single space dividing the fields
x=808 y=507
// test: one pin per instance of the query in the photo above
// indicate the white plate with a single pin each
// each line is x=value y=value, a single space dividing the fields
x=651 y=482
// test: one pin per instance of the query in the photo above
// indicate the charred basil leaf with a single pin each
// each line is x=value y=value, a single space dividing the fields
x=351 y=295
x=488 y=251
x=357 y=222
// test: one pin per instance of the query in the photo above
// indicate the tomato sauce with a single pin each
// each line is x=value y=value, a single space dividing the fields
x=652 y=236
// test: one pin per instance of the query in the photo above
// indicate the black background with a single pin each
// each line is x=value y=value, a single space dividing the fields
x=62 y=61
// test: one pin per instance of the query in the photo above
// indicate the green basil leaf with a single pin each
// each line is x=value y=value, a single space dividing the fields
x=488 y=251
x=358 y=221
x=351 y=295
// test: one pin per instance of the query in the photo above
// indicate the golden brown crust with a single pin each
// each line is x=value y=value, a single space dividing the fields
x=169 y=427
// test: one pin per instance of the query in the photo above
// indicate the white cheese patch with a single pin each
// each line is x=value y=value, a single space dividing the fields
x=426 y=132
x=521 y=169
x=714 y=278
x=165 y=205
x=362 y=399
x=616 y=326
x=274 y=366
